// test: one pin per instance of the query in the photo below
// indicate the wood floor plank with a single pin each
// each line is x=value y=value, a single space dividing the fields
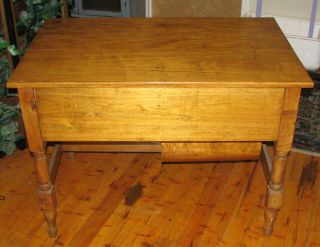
x=204 y=207
x=182 y=200
x=179 y=205
x=242 y=218
x=88 y=194
x=123 y=214
x=164 y=200
x=299 y=221
x=8 y=169
x=110 y=201
x=157 y=201
x=253 y=210
x=227 y=205
x=314 y=239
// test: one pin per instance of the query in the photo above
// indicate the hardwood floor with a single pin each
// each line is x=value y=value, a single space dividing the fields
x=132 y=200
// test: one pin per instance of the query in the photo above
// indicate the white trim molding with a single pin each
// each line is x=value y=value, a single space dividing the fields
x=148 y=8
x=245 y=7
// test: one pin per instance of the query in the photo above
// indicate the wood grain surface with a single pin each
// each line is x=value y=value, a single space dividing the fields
x=209 y=151
x=203 y=204
x=162 y=52
x=124 y=147
x=162 y=114
x=30 y=120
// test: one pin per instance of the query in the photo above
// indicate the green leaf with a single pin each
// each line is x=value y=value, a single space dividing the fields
x=9 y=137
x=8 y=129
x=4 y=62
x=8 y=114
x=13 y=50
x=3 y=44
x=24 y=16
x=7 y=146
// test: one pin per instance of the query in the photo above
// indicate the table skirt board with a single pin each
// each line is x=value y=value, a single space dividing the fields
x=209 y=151
x=176 y=152
x=159 y=114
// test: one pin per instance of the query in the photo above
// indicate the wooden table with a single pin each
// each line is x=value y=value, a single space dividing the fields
x=229 y=84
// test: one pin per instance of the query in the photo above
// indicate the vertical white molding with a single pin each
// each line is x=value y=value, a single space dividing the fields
x=313 y=18
x=245 y=7
x=148 y=8
x=259 y=8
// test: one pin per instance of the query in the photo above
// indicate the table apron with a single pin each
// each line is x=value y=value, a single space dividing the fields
x=159 y=114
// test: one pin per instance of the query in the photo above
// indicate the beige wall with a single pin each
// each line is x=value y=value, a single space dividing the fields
x=289 y=8
x=196 y=8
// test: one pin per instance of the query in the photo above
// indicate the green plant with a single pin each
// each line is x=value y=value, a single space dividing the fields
x=8 y=128
x=4 y=63
x=8 y=114
x=36 y=13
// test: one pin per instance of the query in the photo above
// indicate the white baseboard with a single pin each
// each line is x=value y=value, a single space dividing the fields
x=245 y=7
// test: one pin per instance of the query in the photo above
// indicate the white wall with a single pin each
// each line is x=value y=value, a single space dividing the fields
x=289 y=8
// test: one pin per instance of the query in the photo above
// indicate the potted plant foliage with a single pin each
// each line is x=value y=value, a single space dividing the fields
x=8 y=113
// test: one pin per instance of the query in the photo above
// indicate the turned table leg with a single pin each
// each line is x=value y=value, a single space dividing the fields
x=37 y=147
x=46 y=192
x=274 y=195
